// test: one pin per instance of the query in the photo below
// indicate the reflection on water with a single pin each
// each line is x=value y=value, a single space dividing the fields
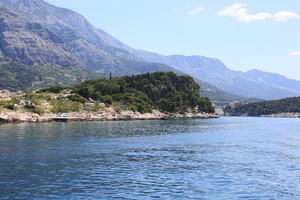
x=227 y=158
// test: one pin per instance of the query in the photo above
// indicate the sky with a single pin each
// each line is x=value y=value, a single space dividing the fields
x=244 y=34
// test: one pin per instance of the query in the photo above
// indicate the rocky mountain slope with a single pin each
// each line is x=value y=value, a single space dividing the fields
x=32 y=56
x=31 y=43
x=80 y=39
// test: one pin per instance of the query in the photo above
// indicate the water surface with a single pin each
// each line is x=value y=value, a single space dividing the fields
x=226 y=158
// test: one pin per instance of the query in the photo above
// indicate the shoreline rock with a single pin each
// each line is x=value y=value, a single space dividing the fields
x=283 y=115
x=278 y=115
x=18 y=117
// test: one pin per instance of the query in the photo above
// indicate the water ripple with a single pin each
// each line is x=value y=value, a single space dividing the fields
x=227 y=158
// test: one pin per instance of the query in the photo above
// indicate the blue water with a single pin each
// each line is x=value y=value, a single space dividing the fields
x=227 y=158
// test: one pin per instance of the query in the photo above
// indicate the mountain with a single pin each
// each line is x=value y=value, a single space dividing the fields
x=80 y=39
x=251 y=84
x=33 y=56
x=60 y=37
x=96 y=50
x=78 y=34
x=275 y=80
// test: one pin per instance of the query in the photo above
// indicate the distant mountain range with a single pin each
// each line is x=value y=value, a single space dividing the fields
x=35 y=33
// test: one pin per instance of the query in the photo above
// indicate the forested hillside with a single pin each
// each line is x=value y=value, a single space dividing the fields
x=164 y=91
x=288 y=105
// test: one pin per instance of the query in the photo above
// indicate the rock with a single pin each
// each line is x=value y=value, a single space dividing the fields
x=284 y=115
x=7 y=95
x=109 y=115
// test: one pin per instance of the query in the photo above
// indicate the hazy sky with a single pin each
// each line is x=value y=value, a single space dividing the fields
x=247 y=34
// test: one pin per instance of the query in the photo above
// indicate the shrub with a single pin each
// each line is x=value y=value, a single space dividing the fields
x=35 y=109
x=56 y=89
x=117 y=108
x=166 y=105
x=140 y=107
x=15 y=100
x=106 y=99
x=77 y=98
x=132 y=108
x=65 y=106
x=7 y=105
x=95 y=108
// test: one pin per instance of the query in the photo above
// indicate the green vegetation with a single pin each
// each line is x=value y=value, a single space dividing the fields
x=288 y=105
x=6 y=105
x=55 y=89
x=160 y=90
x=77 y=98
x=164 y=91
x=15 y=76
x=34 y=109
x=65 y=106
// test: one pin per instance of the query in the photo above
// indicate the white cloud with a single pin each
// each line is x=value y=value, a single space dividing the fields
x=239 y=11
x=196 y=10
x=295 y=53
x=284 y=16
x=233 y=10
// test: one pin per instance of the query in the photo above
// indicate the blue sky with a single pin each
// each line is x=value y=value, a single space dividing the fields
x=244 y=34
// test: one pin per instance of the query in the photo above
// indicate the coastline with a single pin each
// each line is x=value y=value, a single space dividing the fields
x=111 y=115
x=283 y=115
x=278 y=115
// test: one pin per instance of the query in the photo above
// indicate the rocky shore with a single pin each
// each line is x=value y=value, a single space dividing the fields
x=284 y=115
x=111 y=115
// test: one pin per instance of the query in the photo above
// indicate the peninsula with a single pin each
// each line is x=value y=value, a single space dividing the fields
x=151 y=96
